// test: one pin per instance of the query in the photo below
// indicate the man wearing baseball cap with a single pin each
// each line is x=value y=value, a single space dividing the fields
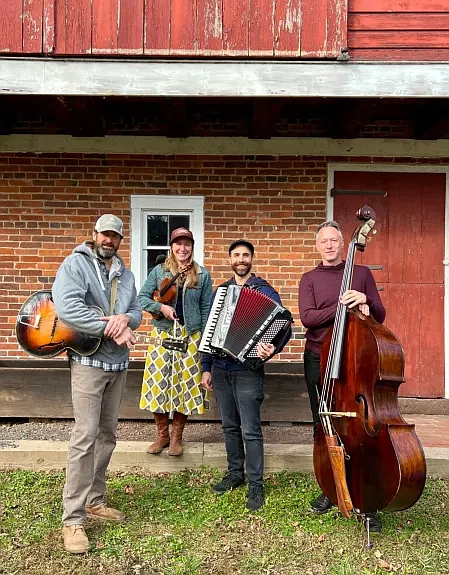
x=240 y=392
x=94 y=276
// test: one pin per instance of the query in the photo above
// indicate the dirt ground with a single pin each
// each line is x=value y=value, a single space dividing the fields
x=59 y=430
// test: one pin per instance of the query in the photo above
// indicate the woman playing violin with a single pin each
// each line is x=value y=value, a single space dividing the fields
x=177 y=293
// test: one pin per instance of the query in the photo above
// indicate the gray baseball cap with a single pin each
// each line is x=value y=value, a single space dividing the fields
x=109 y=223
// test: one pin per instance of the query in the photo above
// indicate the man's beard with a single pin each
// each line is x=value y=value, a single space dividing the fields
x=105 y=252
x=242 y=270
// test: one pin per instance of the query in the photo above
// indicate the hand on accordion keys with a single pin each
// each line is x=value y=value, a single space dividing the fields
x=265 y=350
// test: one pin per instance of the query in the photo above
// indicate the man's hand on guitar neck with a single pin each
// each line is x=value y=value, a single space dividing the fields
x=126 y=338
x=116 y=325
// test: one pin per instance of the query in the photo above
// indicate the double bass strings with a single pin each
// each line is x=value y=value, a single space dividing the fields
x=336 y=343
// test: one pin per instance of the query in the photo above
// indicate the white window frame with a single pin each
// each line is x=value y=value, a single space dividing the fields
x=142 y=205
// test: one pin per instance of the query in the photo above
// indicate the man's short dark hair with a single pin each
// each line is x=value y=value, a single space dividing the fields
x=246 y=243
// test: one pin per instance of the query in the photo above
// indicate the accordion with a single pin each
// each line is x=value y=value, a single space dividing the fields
x=240 y=318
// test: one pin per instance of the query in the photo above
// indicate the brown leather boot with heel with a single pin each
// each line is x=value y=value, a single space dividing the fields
x=179 y=421
x=163 y=437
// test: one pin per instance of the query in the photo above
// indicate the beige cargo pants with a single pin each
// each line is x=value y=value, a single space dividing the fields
x=96 y=398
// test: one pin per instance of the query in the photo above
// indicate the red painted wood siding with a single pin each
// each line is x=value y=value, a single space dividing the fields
x=247 y=28
x=413 y=30
x=409 y=246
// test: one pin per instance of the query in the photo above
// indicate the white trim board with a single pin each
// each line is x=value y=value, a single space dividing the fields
x=91 y=77
x=335 y=167
x=377 y=147
x=142 y=204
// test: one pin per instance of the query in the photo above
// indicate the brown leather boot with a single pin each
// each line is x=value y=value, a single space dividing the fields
x=163 y=437
x=179 y=421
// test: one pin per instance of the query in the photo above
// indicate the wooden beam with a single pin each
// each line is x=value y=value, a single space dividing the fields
x=176 y=117
x=81 y=117
x=348 y=118
x=432 y=122
x=227 y=79
x=7 y=117
x=265 y=115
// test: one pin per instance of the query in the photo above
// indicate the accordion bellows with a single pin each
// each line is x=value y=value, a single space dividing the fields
x=240 y=318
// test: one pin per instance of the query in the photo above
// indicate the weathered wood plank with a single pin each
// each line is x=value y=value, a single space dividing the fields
x=157 y=27
x=11 y=26
x=46 y=393
x=104 y=26
x=78 y=25
x=183 y=28
x=60 y=32
x=287 y=29
x=398 y=55
x=200 y=78
x=398 y=21
x=401 y=39
x=431 y=364
x=48 y=32
x=210 y=27
x=336 y=27
x=261 y=28
x=314 y=29
x=32 y=25
x=131 y=24
x=431 y=219
x=236 y=27
x=399 y=6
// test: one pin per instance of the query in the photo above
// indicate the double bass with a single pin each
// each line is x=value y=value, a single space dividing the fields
x=366 y=457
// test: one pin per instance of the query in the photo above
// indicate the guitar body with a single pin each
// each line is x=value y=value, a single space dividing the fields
x=42 y=334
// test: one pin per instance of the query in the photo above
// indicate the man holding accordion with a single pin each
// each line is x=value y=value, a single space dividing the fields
x=237 y=377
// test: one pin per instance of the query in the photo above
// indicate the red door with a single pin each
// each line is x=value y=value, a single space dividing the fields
x=408 y=251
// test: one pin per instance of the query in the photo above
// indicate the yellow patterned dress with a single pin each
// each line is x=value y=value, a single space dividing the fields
x=171 y=381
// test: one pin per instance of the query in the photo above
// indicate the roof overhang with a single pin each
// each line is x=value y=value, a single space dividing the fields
x=70 y=77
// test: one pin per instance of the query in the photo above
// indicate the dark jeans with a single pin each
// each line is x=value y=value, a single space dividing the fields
x=313 y=380
x=239 y=396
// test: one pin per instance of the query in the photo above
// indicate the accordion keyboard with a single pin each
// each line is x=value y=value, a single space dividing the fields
x=212 y=320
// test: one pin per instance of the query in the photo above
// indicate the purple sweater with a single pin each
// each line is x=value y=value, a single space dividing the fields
x=318 y=296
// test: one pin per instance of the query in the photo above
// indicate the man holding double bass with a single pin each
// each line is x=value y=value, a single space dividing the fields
x=319 y=292
x=94 y=275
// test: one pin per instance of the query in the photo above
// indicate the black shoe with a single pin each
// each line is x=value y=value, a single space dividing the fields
x=228 y=483
x=375 y=526
x=321 y=504
x=255 y=497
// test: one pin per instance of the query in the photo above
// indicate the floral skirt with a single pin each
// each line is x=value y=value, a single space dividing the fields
x=171 y=380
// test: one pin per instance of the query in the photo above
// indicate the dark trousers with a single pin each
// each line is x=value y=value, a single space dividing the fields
x=239 y=396
x=313 y=381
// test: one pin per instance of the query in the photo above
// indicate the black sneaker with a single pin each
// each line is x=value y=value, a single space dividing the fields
x=321 y=504
x=255 y=497
x=375 y=526
x=228 y=483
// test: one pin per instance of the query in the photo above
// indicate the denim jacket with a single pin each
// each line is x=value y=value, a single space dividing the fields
x=196 y=300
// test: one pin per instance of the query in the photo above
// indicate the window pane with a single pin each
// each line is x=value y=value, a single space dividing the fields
x=179 y=222
x=157 y=230
x=151 y=258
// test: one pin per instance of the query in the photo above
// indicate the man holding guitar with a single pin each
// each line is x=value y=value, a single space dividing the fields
x=95 y=276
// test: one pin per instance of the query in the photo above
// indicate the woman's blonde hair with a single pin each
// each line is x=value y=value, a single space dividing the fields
x=190 y=278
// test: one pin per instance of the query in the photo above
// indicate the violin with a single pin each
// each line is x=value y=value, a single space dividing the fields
x=366 y=457
x=166 y=294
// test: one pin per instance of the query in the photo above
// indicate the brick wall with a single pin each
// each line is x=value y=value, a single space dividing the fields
x=50 y=203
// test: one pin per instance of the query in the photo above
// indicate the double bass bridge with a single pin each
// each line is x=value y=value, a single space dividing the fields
x=339 y=413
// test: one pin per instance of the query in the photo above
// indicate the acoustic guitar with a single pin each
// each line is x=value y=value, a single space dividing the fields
x=42 y=334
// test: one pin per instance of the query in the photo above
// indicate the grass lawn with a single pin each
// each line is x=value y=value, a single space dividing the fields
x=177 y=526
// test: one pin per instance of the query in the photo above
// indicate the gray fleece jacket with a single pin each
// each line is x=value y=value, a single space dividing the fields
x=79 y=285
